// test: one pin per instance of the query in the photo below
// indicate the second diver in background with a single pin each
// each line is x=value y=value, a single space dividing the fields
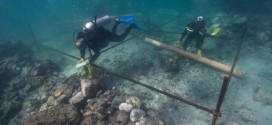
x=195 y=30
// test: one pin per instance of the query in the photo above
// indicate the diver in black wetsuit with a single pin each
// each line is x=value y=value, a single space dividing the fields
x=98 y=39
x=95 y=37
x=195 y=30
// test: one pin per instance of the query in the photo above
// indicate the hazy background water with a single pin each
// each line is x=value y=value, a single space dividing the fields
x=60 y=15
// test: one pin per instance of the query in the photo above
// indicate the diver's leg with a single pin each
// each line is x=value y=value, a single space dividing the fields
x=117 y=38
x=199 y=42
x=114 y=28
x=96 y=55
x=187 y=41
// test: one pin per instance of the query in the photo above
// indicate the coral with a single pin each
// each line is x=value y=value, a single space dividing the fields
x=136 y=115
x=60 y=115
x=50 y=101
x=125 y=107
x=117 y=100
x=146 y=121
x=60 y=89
x=122 y=117
x=93 y=109
x=133 y=100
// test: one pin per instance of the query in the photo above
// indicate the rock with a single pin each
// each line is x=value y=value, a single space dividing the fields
x=146 y=121
x=135 y=101
x=117 y=100
x=88 y=121
x=136 y=115
x=94 y=110
x=68 y=91
x=126 y=107
x=58 y=115
x=85 y=86
x=77 y=98
x=8 y=110
x=103 y=102
x=122 y=117
x=89 y=87
x=73 y=81
x=60 y=89
x=50 y=101
x=62 y=99
x=109 y=95
x=263 y=96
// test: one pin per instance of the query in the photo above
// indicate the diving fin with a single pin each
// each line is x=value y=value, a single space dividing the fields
x=127 y=19
x=216 y=31
x=139 y=28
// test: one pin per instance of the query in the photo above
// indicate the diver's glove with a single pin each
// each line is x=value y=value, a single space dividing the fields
x=82 y=62
x=199 y=53
x=178 y=43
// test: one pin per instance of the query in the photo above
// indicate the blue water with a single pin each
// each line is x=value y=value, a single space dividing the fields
x=54 y=21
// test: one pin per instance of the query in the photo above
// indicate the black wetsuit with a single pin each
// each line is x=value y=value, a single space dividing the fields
x=99 y=39
x=195 y=30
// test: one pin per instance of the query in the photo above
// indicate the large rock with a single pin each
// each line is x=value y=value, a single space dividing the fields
x=77 y=98
x=57 y=115
x=89 y=87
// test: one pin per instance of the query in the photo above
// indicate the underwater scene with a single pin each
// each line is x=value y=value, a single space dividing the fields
x=136 y=62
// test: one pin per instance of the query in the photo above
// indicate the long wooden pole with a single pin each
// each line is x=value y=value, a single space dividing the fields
x=203 y=60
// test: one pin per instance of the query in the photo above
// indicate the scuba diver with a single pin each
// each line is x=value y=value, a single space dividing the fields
x=95 y=37
x=195 y=30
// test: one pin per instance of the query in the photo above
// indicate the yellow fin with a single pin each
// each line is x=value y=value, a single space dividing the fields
x=216 y=31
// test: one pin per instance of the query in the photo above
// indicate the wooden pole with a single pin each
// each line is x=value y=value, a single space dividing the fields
x=203 y=60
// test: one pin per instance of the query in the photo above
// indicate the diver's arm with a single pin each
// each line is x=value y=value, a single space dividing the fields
x=95 y=56
x=82 y=53
x=186 y=30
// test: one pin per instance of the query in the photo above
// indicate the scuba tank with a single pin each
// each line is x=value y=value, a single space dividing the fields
x=98 y=22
